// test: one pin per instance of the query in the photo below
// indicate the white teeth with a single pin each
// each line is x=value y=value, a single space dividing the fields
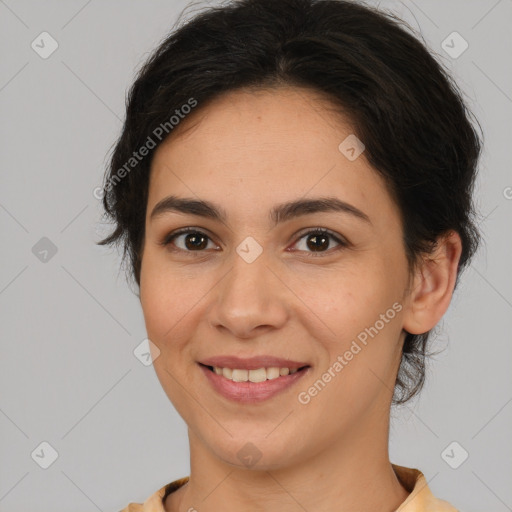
x=273 y=373
x=259 y=375
x=240 y=375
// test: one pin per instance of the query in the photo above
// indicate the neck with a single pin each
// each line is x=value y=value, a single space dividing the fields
x=354 y=474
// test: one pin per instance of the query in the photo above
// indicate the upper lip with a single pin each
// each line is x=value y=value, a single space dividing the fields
x=251 y=363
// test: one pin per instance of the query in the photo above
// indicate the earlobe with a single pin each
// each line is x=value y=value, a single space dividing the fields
x=433 y=285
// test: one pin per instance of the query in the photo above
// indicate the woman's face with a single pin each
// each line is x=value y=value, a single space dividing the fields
x=257 y=283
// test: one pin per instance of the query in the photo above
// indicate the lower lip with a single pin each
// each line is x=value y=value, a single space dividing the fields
x=251 y=392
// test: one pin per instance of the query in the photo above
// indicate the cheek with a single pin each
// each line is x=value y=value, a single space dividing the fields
x=172 y=300
x=162 y=298
x=170 y=316
x=361 y=305
x=350 y=298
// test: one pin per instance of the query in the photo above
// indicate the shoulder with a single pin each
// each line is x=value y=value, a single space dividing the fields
x=155 y=502
x=133 y=507
x=420 y=498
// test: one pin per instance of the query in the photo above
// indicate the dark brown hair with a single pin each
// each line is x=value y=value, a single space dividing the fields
x=402 y=103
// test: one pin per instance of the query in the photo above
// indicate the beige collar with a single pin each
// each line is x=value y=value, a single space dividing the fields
x=420 y=498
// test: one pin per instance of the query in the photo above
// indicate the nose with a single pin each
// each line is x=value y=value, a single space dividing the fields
x=250 y=300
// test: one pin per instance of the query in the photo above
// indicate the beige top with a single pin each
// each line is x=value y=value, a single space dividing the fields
x=420 y=498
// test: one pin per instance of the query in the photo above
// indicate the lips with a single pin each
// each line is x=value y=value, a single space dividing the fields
x=257 y=390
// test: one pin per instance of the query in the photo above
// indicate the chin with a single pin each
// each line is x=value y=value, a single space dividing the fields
x=255 y=452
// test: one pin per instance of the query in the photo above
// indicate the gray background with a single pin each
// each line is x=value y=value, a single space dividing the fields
x=70 y=324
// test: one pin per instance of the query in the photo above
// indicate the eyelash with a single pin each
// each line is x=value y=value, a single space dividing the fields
x=317 y=231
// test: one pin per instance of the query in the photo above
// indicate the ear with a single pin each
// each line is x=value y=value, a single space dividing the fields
x=433 y=285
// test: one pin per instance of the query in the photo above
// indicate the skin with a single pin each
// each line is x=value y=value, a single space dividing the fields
x=248 y=151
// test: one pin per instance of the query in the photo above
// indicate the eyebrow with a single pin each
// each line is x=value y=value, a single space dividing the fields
x=280 y=213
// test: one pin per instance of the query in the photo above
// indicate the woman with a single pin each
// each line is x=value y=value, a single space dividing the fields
x=293 y=189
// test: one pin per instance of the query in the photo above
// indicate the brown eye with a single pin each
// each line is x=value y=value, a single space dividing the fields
x=319 y=241
x=195 y=241
x=188 y=240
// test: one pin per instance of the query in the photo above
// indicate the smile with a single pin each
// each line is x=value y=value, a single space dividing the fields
x=250 y=386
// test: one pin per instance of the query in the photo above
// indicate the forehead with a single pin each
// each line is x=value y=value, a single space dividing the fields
x=254 y=146
x=245 y=122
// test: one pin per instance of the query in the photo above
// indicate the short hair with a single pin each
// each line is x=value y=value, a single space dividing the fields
x=401 y=102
